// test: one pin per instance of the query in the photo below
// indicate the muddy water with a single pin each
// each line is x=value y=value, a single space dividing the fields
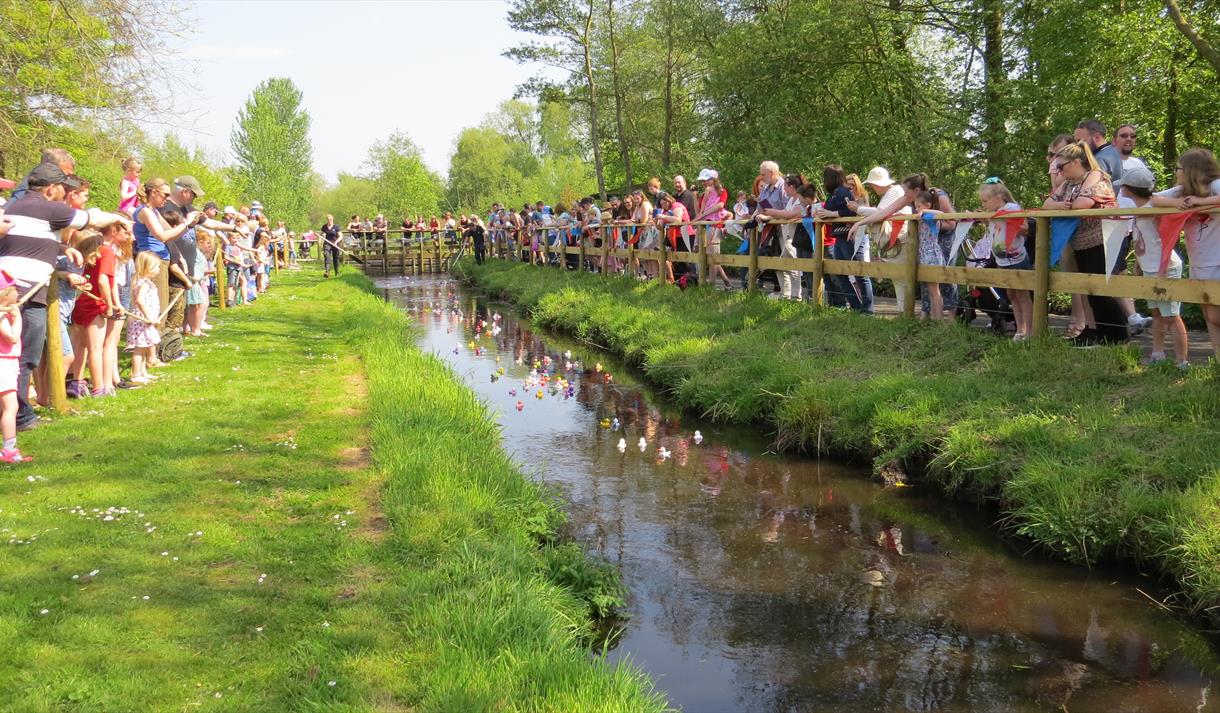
x=767 y=583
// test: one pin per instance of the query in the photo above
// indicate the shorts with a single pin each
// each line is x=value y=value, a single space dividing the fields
x=9 y=366
x=125 y=296
x=233 y=275
x=1205 y=272
x=1165 y=307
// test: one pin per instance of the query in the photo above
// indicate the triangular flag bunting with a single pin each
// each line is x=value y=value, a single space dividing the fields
x=959 y=234
x=1062 y=230
x=1113 y=231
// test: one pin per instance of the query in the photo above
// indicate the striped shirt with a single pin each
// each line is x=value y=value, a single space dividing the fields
x=29 y=251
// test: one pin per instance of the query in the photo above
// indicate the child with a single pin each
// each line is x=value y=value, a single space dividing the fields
x=1009 y=254
x=1197 y=185
x=233 y=259
x=1159 y=260
x=91 y=312
x=142 y=333
x=10 y=355
x=129 y=186
x=929 y=250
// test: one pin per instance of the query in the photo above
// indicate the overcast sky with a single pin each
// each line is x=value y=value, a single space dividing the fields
x=366 y=69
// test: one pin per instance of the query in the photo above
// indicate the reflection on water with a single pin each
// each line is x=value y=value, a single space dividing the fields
x=769 y=583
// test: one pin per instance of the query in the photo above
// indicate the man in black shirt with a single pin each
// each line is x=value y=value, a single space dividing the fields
x=331 y=255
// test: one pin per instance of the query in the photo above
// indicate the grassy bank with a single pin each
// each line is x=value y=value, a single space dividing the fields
x=1089 y=454
x=309 y=514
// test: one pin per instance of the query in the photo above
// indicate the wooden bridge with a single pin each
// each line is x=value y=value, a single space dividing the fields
x=398 y=252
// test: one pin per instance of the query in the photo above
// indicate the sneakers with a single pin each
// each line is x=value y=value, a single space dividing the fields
x=1137 y=323
x=12 y=455
x=1154 y=359
x=139 y=381
x=77 y=389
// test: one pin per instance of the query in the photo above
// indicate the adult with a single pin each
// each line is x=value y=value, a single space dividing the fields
x=59 y=158
x=713 y=207
x=684 y=195
x=153 y=234
x=279 y=238
x=1124 y=141
x=1086 y=185
x=1125 y=137
x=894 y=199
x=678 y=231
x=792 y=210
x=188 y=314
x=841 y=202
x=477 y=235
x=1108 y=158
x=331 y=254
x=28 y=253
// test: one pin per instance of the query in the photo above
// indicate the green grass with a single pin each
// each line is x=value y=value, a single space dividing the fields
x=420 y=578
x=1087 y=453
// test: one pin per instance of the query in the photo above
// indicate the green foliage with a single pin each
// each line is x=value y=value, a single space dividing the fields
x=596 y=583
x=403 y=185
x=274 y=155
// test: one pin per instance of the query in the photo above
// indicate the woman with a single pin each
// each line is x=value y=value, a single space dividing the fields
x=1082 y=316
x=789 y=280
x=1084 y=186
x=841 y=202
x=673 y=214
x=712 y=208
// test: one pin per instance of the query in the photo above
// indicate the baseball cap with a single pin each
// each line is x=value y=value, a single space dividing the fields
x=708 y=174
x=46 y=174
x=230 y=210
x=211 y=205
x=1138 y=177
x=189 y=183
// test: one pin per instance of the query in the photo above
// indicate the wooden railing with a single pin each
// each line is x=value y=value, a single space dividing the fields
x=412 y=252
x=1041 y=280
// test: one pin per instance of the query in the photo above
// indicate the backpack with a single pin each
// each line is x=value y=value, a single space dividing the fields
x=171 y=345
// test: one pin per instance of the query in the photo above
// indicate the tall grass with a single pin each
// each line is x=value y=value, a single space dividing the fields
x=1088 y=454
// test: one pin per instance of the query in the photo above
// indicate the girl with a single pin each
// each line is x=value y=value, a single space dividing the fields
x=1197 y=185
x=129 y=186
x=92 y=310
x=645 y=233
x=712 y=208
x=122 y=242
x=678 y=236
x=1161 y=261
x=10 y=355
x=1010 y=255
x=142 y=334
x=1085 y=185
x=929 y=251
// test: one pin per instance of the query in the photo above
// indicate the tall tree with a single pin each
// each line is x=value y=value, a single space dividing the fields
x=274 y=154
x=403 y=184
x=619 y=99
x=568 y=24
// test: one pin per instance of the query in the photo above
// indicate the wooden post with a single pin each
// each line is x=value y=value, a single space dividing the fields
x=819 y=264
x=662 y=273
x=605 y=250
x=222 y=277
x=752 y=276
x=631 y=260
x=910 y=254
x=581 y=240
x=58 y=397
x=436 y=262
x=419 y=268
x=705 y=265
x=402 y=265
x=385 y=254
x=1042 y=274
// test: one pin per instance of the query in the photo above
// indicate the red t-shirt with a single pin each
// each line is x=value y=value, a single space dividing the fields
x=87 y=308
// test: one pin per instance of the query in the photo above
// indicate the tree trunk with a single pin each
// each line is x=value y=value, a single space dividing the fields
x=624 y=153
x=1202 y=46
x=586 y=41
x=993 y=79
x=667 y=138
x=1170 y=156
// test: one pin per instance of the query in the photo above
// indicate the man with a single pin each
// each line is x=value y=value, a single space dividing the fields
x=53 y=157
x=685 y=196
x=331 y=255
x=29 y=252
x=181 y=199
x=1093 y=132
x=279 y=239
x=1124 y=141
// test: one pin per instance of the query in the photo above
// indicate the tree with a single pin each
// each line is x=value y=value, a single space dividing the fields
x=402 y=184
x=274 y=154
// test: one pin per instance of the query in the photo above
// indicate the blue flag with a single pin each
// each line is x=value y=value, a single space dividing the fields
x=1062 y=230
x=808 y=223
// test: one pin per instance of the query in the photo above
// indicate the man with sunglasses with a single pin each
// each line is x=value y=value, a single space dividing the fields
x=1124 y=141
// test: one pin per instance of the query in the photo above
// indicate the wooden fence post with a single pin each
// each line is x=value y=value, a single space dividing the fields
x=819 y=264
x=222 y=277
x=385 y=254
x=605 y=236
x=58 y=396
x=662 y=273
x=436 y=261
x=752 y=275
x=1042 y=274
x=910 y=254
x=705 y=265
x=581 y=240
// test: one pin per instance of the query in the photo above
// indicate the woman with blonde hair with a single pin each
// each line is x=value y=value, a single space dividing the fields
x=1085 y=186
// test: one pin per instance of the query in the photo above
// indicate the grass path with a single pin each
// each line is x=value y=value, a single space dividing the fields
x=222 y=540
x=1091 y=455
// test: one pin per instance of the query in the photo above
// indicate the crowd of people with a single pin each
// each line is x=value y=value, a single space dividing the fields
x=148 y=265
x=1085 y=170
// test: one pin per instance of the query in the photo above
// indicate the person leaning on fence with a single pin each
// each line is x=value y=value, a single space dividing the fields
x=1009 y=251
x=1085 y=186
x=841 y=202
x=713 y=204
x=1156 y=259
x=892 y=201
x=791 y=210
x=1197 y=185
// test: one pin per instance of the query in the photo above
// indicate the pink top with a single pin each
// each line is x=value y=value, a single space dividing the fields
x=128 y=200
x=13 y=350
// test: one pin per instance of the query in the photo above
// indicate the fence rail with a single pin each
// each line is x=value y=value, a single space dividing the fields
x=906 y=271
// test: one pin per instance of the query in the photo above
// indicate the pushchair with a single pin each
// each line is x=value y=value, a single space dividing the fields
x=984 y=299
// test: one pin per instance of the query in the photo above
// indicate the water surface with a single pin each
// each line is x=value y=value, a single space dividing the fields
x=769 y=583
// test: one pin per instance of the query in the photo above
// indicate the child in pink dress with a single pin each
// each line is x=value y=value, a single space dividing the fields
x=129 y=186
x=10 y=355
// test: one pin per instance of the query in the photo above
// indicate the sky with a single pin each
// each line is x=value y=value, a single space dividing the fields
x=366 y=69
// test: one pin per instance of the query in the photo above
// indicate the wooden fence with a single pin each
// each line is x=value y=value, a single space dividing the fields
x=909 y=273
x=401 y=252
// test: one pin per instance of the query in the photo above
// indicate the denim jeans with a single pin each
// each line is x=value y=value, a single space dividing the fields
x=859 y=296
x=33 y=340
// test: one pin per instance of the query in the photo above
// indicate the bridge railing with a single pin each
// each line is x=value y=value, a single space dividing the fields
x=905 y=270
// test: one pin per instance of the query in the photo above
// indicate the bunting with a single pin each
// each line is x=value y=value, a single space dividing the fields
x=1170 y=227
x=1113 y=231
x=1062 y=230
x=959 y=234
x=1012 y=227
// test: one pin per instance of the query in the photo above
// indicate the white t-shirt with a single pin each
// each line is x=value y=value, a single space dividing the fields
x=1202 y=237
x=1146 y=243
x=881 y=231
x=996 y=232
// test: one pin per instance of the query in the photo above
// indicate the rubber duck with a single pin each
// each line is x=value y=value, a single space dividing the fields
x=663 y=452
x=520 y=406
x=615 y=424
x=604 y=423
x=539 y=394
x=622 y=445
x=643 y=444
x=698 y=438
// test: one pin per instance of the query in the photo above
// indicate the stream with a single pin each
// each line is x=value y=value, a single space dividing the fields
x=765 y=582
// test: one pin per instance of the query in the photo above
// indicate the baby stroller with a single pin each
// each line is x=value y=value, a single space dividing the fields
x=990 y=301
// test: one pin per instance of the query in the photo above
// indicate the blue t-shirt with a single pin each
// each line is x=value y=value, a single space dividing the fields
x=145 y=240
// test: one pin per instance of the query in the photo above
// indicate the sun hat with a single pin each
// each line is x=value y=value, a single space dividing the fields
x=879 y=176
x=189 y=183
x=707 y=174
x=6 y=280
x=230 y=210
